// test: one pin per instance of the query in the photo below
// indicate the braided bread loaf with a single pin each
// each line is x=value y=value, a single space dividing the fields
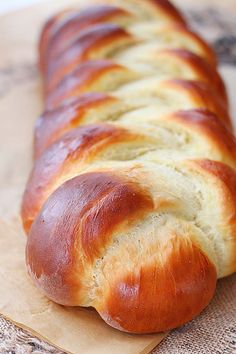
x=131 y=204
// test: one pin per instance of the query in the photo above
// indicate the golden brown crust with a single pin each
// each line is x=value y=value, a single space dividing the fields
x=77 y=147
x=204 y=95
x=68 y=27
x=96 y=38
x=208 y=124
x=82 y=145
x=152 y=10
x=206 y=72
x=87 y=77
x=45 y=37
x=169 y=9
x=64 y=26
x=164 y=294
x=207 y=52
x=106 y=38
x=61 y=241
x=52 y=124
x=86 y=74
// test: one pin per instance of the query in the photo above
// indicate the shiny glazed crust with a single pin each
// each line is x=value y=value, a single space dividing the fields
x=130 y=206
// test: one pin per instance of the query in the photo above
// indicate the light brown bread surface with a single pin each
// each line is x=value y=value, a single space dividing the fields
x=130 y=207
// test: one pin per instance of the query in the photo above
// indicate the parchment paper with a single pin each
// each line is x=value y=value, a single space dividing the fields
x=74 y=330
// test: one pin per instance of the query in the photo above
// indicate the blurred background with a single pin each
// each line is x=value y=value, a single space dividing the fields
x=9 y=5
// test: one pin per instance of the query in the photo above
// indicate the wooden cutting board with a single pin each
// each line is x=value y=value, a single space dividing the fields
x=73 y=330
